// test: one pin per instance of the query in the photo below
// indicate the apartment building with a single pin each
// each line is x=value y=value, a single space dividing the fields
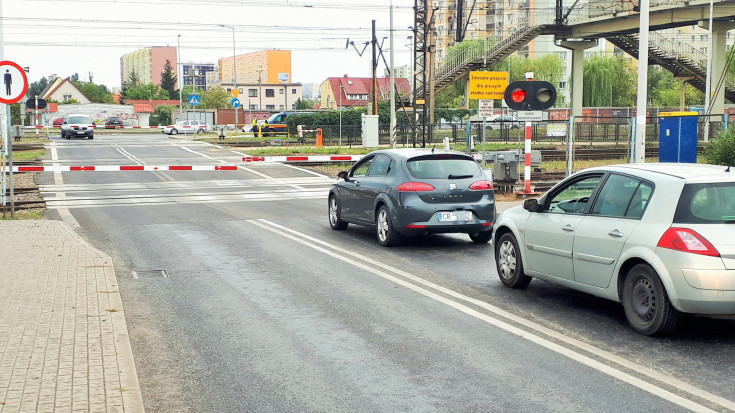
x=148 y=64
x=198 y=74
x=265 y=66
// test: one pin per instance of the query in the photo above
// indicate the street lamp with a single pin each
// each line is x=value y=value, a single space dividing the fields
x=234 y=69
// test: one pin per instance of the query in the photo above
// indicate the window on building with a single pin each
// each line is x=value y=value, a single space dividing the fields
x=252 y=107
x=67 y=98
x=281 y=107
x=270 y=107
x=269 y=93
x=562 y=85
x=703 y=38
x=293 y=91
x=280 y=91
x=253 y=93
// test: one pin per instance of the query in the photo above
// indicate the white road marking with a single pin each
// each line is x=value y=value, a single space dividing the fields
x=339 y=253
x=59 y=180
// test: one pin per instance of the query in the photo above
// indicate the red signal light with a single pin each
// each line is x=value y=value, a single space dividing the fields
x=518 y=95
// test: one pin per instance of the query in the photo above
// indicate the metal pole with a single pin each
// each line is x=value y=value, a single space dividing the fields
x=178 y=69
x=708 y=87
x=640 y=130
x=234 y=71
x=392 y=86
x=375 y=72
x=5 y=121
x=341 y=88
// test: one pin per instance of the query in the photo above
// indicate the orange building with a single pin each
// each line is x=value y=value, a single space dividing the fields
x=265 y=66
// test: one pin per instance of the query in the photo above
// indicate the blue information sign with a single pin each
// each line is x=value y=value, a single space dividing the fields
x=235 y=103
x=194 y=99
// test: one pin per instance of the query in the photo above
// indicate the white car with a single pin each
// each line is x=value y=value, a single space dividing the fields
x=497 y=122
x=187 y=126
x=656 y=237
x=77 y=124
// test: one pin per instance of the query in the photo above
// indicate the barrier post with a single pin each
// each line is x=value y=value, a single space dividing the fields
x=319 y=138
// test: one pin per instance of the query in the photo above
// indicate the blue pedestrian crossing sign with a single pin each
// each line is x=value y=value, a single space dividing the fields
x=194 y=99
x=235 y=103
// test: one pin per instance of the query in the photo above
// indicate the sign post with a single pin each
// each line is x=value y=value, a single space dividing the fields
x=16 y=86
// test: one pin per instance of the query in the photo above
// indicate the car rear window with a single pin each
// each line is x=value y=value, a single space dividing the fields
x=442 y=167
x=80 y=119
x=709 y=203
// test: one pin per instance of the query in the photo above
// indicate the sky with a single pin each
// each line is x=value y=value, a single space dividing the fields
x=64 y=37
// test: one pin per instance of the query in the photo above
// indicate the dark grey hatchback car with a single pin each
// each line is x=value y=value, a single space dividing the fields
x=407 y=192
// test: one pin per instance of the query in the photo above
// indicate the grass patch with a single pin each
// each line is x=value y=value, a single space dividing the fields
x=32 y=155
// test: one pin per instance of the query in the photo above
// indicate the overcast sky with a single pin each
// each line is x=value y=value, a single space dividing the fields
x=83 y=36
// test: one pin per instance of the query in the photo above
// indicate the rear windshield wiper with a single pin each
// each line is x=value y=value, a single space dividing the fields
x=459 y=176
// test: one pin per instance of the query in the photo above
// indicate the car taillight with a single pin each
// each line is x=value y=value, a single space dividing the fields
x=415 y=187
x=687 y=240
x=481 y=186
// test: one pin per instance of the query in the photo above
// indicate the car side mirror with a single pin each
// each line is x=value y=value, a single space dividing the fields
x=343 y=175
x=531 y=205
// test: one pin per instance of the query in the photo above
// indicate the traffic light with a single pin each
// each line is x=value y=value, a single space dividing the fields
x=530 y=95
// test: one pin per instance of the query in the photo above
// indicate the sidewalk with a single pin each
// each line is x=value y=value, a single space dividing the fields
x=64 y=343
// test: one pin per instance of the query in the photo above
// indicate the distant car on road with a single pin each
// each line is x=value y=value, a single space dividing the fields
x=113 y=122
x=497 y=122
x=407 y=192
x=78 y=125
x=656 y=237
x=187 y=126
x=59 y=121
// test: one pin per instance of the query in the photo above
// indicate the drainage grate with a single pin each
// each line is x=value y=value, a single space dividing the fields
x=150 y=274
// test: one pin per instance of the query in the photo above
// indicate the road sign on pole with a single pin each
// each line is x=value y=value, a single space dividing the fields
x=488 y=85
x=235 y=103
x=235 y=92
x=485 y=108
x=15 y=82
x=194 y=99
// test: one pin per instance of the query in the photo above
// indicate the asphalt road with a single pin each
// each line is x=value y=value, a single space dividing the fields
x=265 y=308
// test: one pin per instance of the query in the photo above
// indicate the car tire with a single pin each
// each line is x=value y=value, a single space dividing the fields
x=91 y=136
x=481 y=237
x=509 y=263
x=334 y=220
x=173 y=132
x=647 y=306
x=387 y=235
x=200 y=131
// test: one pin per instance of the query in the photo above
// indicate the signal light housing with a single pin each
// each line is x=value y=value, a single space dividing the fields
x=530 y=95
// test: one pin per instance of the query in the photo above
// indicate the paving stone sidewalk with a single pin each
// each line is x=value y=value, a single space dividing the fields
x=64 y=344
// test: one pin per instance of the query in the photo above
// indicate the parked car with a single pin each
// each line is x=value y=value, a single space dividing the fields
x=78 y=125
x=658 y=238
x=59 y=121
x=407 y=192
x=113 y=122
x=187 y=126
x=497 y=122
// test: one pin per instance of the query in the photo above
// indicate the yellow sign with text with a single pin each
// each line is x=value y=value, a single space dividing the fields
x=488 y=85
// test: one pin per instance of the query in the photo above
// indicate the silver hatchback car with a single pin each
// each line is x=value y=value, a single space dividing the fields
x=658 y=238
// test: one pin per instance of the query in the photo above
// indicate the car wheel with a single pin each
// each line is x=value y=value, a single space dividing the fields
x=387 y=235
x=200 y=131
x=91 y=136
x=173 y=132
x=334 y=221
x=647 y=306
x=481 y=237
x=509 y=263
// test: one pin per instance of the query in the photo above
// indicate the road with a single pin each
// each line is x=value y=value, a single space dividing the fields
x=239 y=297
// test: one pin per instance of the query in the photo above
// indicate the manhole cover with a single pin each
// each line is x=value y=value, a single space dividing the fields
x=150 y=274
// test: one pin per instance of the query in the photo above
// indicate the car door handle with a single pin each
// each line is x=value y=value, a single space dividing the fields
x=568 y=228
x=615 y=233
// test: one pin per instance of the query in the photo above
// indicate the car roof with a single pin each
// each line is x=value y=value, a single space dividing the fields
x=690 y=172
x=414 y=152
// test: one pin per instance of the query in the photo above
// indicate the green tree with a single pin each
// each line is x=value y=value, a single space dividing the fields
x=721 y=149
x=216 y=98
x=302 y=104
x=162 y=115
x=146 y=91
x=68 y=102
x=168 y=80
x=95 y=93
x=75 y=77
x=608 y=81
x=37 y=87
x=15 y=114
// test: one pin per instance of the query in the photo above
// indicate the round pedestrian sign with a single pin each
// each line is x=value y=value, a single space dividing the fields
x=15 y=82
x=235 y=103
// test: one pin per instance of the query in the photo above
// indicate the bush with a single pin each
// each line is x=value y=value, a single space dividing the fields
x=721 y=150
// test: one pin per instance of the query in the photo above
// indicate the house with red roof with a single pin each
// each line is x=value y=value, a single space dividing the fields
x=63 y=90
x=349 y=92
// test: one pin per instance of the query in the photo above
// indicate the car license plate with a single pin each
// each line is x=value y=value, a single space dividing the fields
x=80 y=132
x=447 y=216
